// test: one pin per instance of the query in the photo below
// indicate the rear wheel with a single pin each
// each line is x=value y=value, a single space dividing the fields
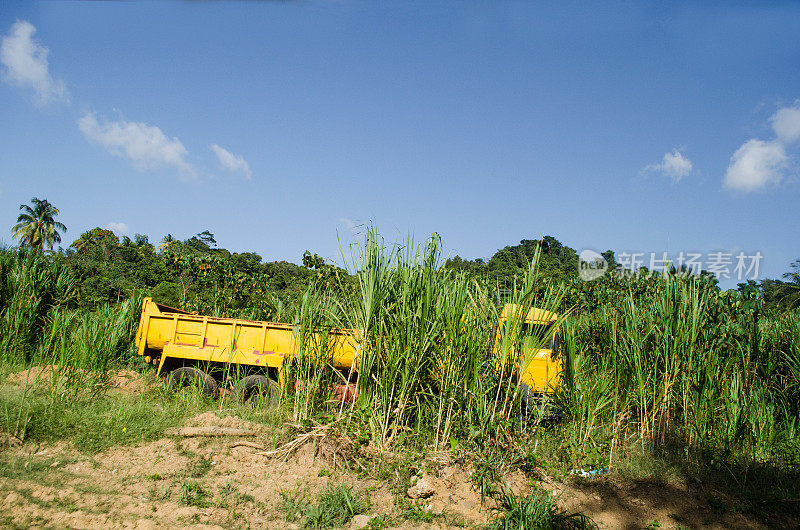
x=254 y=387
x=191 y=376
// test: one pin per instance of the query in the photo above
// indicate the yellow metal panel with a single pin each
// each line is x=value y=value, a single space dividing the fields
x=539 y=370
x=225 y=356
x=178 y=334
x=535 y=315
x=542 y=373
x=229 y=340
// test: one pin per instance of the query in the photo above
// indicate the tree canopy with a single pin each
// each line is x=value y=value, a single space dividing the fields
x=197 y=274
x=36 y=226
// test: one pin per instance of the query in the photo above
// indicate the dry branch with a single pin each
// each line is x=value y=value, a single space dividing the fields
x=318 y=432
x=243 y=443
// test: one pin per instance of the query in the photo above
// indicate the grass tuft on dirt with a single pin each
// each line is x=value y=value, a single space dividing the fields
x=535 y=511
x=335 y=506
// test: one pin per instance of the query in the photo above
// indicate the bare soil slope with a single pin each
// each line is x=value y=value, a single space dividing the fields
x=200 y=476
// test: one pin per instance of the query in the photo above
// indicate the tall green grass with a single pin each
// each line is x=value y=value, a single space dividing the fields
x=38 y=325
x=686 y=362
x=423 y=339
x=662 y=358
x=649 y=360
x=31 y=285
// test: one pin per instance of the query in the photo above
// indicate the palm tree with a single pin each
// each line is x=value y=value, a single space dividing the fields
x=36 y=227
x=166 y=241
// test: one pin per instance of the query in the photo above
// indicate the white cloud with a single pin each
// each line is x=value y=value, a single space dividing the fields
x=25 y=62
x=674 y=165
x=756 y=164
x=786 y=123
x=759 y=163
x=349 y=223
x=231 y=162
x=144 y=145
x=118 y=228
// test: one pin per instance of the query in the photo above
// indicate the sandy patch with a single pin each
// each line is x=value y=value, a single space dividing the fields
x=129 y=382
x=122 y=381
x=33 y=375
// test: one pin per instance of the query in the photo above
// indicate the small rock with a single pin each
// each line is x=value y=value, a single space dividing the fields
x=360 y=521
x=421 y=490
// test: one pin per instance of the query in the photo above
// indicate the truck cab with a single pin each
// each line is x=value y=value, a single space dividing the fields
x=538 y=357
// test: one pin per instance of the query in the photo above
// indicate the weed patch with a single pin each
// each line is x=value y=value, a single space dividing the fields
x=536 y=511
x=293 y=503
x=93 y=424
x=193 y=494
x=335 y=507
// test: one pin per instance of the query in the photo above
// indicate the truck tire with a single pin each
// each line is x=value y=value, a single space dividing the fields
x=189 y=376
x=254 y=386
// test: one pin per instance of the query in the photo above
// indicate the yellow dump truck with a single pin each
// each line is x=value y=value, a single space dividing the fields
x=540 y=362
x=202 y=349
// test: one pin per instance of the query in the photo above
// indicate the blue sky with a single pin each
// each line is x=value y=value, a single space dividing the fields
x=277 y=125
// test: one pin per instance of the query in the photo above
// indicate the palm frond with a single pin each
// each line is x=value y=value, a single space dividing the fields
x=27 y=209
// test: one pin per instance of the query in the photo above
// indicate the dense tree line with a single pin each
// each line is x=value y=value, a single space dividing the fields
x=197 y=275
x=559 y=264
x=193 y=274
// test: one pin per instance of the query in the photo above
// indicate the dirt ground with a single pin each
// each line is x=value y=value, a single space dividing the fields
x=235 y=479
x=125 y=381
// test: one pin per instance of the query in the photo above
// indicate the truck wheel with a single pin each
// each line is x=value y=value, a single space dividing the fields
x=189 y=376
x=254 y=387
